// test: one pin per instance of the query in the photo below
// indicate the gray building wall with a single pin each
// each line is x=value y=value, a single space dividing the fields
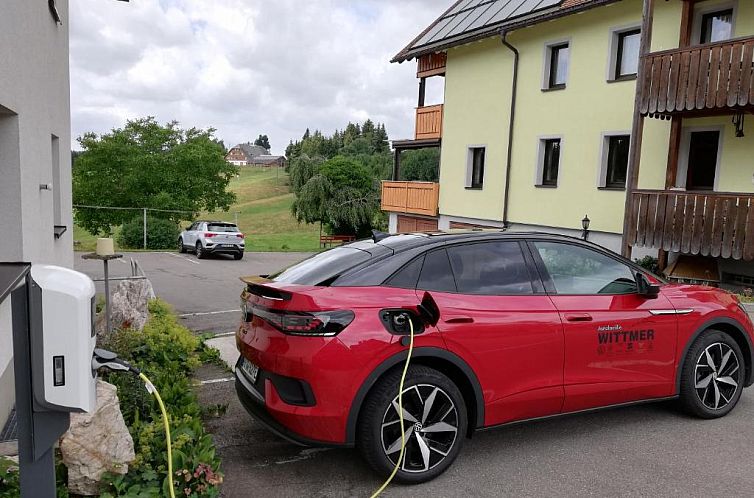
x=35 y=149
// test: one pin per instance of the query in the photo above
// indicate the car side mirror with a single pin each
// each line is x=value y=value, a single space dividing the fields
x=645 y=288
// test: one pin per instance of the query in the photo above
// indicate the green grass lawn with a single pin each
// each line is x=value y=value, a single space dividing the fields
x=264 y=215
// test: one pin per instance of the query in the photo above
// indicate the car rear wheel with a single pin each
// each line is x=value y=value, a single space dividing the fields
x=435 y=423
x=713 y=375
x=200 y=254
x=238 y=256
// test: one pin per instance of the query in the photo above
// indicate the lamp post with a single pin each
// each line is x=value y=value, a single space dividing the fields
x=585 y=225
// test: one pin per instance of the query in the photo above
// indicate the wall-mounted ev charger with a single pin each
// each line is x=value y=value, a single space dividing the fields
x=62 y=345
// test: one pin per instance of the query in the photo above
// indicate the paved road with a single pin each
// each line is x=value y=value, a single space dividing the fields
x=650 y=450
x=208 y=288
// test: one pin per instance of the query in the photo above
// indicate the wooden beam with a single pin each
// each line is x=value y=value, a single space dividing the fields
x=674 y=151
x=637 y=130
x=397 y=165
x=687 y=23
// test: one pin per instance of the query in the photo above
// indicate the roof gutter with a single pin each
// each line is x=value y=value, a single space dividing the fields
x=512 y=122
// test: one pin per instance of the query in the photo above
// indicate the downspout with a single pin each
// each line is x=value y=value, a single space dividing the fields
x=514 y=92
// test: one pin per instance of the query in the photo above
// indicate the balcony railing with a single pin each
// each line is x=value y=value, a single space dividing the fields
x=429 y=122
x=411 y=197
x=708 y=223
x=431 y=65
x=715 y=77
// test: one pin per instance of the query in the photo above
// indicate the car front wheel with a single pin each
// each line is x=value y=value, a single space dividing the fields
x=435 y=423
x=181 y=247
x=713 y=375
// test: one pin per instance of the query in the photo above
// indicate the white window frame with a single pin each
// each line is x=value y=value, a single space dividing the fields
x=605 y=153
x=700 y=10
x=612 y=60
x=540 y=169
x=683 y=158
x=470 y=164
x=547 y=56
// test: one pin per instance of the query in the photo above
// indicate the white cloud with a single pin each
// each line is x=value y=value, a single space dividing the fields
x=245 y=67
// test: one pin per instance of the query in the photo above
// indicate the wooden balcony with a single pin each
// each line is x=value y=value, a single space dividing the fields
x=431 y=65
x=705 y=223
x=716 y=78
x=429 y=122
x=411 y=197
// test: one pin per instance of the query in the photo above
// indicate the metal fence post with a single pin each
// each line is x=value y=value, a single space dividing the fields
x=145 y=229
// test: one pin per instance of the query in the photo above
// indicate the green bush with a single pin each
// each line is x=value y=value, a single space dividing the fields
x=167 y=353
x=649 y=263
x=161 y=234
x=9 y=483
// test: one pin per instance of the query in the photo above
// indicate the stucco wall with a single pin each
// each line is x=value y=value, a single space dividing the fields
x=34 y=107
x=477 y=105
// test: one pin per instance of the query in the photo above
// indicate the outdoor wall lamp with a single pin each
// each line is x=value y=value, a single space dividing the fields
x=738 y=122
x=585 y=225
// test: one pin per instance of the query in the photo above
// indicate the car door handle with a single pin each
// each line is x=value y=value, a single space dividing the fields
x=578 y=317
x=459 y=319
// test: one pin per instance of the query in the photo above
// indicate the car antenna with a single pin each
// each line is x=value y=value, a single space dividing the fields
x=378 y=236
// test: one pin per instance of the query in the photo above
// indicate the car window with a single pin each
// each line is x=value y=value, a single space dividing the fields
x=581 y=271
x=436 y=274
x=490 y=268
x=222 y=227
x=322 y=267
x=408 y=276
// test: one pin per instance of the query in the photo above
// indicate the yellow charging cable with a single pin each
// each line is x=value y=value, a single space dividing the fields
x=153 y=390
x=400 y=411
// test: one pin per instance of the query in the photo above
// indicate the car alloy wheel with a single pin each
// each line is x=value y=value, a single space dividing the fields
x=431 y=428
x=199 y=251
x=181 y=247
x=717 y=376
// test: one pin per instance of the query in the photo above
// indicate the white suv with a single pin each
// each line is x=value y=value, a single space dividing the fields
x=212 y=237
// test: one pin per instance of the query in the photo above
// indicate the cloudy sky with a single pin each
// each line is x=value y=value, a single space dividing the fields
x=246 y=67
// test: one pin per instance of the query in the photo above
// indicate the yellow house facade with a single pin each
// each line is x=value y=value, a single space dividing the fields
x=543 y=103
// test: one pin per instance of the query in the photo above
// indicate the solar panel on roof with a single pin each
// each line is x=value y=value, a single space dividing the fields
x=470 y=15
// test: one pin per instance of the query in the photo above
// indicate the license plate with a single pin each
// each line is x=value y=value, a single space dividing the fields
x=251 y=370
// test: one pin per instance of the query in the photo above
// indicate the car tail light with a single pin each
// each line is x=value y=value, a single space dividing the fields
x=314 y=324
x=240 y=235
x=210 y=235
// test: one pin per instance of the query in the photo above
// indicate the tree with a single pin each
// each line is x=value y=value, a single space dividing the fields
x=421 y=165
x=148 y=165
x=263 y=141
x=343 y=195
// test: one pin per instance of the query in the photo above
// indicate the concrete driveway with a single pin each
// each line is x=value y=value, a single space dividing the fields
x=648 y=450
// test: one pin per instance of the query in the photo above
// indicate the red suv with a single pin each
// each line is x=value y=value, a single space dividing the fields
x=525 y=326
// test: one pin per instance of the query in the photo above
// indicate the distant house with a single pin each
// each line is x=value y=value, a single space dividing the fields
x=253 y=155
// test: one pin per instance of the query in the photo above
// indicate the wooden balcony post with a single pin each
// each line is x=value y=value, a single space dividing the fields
x=637 y=130
x=397 y=165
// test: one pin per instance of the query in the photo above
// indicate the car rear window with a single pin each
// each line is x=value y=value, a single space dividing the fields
x=322 y=268
x=222 y=227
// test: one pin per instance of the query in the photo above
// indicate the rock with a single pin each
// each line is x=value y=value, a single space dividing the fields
x=96 y=443
x=129 y=304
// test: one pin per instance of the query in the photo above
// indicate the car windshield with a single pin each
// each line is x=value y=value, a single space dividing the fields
x=222 y=227
x=323 y=267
